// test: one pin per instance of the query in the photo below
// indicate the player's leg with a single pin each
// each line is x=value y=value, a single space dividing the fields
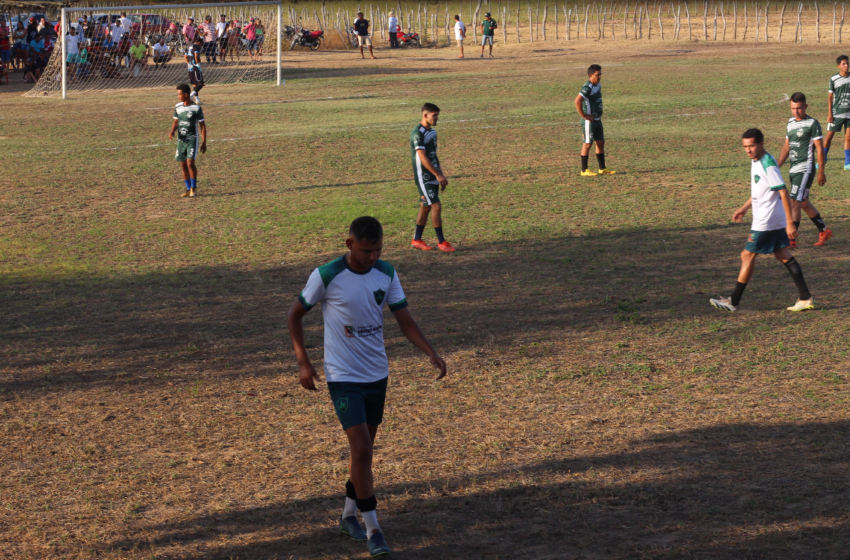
x=586 y=141
x=846 y=124
x=193 y=171
x=421 y=221
x=748 y=260
x=824 y=233
x=491 y=46
x=805 y=301
x=827 y=141
x=483 y=42
x=599 y=136
x=437 y=222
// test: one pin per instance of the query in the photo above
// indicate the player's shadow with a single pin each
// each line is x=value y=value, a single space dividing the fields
x=228 y=320
x=730 y=491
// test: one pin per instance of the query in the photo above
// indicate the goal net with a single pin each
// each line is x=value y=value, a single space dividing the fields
x=145 y=49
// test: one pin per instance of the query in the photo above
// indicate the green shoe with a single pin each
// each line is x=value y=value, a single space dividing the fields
x=351 y=527
x=847 y=168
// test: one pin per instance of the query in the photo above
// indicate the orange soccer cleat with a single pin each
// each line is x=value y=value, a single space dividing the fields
x=824 y=235
x=419 y=244
x=447 y=247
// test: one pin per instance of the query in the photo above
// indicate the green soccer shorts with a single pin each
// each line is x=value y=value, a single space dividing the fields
x=800 y=185
x=186 y=149
x=591 y=131
x=428 y=193
x=767 y=242
x=358 y=403
x=838 y=124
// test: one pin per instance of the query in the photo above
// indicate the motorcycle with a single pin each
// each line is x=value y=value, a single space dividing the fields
x=407 y=39
x=306 y=38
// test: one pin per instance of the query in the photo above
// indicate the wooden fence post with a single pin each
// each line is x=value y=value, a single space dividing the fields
x=545 y=16
x=626 y=15
x=705 y=23
x=723 y=16
x=799 y=22
x=817 y=22
x=841 y=25
x=586 y=15
x=746 y=20
x=688 y=13
x=569 y=19
x=648 y=21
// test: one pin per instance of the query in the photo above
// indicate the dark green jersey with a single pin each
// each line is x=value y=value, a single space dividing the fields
x=188 y=117
x=489 y=27
x=801 y=143
x=592 y=95
x=839 y=87
x=424 y=139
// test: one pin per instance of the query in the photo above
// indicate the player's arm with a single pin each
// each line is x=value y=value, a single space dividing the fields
x=413 y=333
x=203 y=125
x=783 y=155
x=308 y=375
x=790 y=228
x=173 y=129
x=829 y=117
x=739 y=214
x=426 y=163
x=580 y=108
x=820 y=157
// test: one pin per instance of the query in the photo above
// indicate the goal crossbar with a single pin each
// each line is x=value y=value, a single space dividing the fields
x=64 y=21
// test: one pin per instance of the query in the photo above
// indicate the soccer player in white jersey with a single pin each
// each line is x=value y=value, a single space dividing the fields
x=838 y=103
x=353 y=290
x=772 y=228
x=804 y=147
x=193 y=61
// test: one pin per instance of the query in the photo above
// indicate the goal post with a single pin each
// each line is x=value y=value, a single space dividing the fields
x=100 y=58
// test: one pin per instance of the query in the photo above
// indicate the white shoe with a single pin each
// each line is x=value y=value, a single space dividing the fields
x=803 y=304
x=723 y=303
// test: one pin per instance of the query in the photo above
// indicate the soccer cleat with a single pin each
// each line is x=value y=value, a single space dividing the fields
x=419 y=244
x=588 y=173
x=606 y=171
x=803 y=304
x=377 y=545
x=824 y=235
x=192 y=192
x=846 y=167
x=185 y=194
x=723 y=303
x=792 y=244
x=446 y=247
x=352 y=528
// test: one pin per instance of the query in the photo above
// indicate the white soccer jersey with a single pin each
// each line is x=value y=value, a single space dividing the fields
x=766 y=182
x=353 y=311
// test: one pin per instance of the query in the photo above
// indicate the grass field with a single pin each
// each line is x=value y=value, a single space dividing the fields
x=596 y=406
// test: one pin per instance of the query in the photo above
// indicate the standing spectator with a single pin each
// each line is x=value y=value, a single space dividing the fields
x=85 y=27
x=221 y=35
x=488 y=31
x=208 y=30
x=32 y=30
x=83 y=67
x=122 y=51
x=127 y=24
x=138 y=56
x=42 y=25
x=251 y=35
x=161 y=53
x=261 y=37
x=189 y=30
x=21 y=47
x=460 y=34
x=72 y=49
x=392 y=25
x=233 y=34
x=116 y=30
x=5 y=44
x=361 y=27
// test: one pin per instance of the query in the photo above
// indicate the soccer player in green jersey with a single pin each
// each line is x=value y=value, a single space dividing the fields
x=188 y=121
x=838 y=101
x=353 y=290
x=803 y=146
x=772 y=229
x=589 y=106
x=429 y=178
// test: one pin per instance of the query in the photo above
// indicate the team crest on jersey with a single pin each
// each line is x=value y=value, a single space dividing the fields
x=379 y=296
x=349 y=331
x=757 y=178
x=342 y=404
x=799 y=132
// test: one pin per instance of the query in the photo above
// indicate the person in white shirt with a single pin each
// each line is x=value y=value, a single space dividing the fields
x=127 y=24
x=117 y=30
x=221 y=35
x=72 y=48
x=392 y=27
x=460 y=34
x=773 y=226
x=161 y=53
x=353 y=290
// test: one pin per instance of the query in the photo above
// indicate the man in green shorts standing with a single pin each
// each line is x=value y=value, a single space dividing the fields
x=429 y=178
x=804 y=146
x=353 y=290
x=188 y=121
x=838 y=102
x=772 y=227
x=488 y=31
x=589 y=105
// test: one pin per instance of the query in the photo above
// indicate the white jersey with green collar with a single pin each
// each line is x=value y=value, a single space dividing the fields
x=353 y=311
x=766 y=182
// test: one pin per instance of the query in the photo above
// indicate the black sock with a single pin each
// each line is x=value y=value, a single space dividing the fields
x=600 y=158
x=584 y=162
x=736 y=295
x=418 y=235
x=797 y=225
x=819 y=223
x=797 y=274
x=439 y=232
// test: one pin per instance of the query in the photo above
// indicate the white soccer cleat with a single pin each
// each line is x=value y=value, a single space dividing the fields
x=723 y=303
x=803 y=304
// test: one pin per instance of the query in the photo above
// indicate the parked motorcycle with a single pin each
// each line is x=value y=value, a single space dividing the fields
x=306 y=38
x=407 y=39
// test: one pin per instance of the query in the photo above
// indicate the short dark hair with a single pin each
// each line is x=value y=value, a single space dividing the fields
x=798 y=97
x=755 y=134
x=593 y=69
x=840 y=58
x=430 y=108
x=184 y=88
x=366 y=228
x=457 y=18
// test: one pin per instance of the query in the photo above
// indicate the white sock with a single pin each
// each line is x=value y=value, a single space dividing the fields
x=350 y=508
x=371 y=520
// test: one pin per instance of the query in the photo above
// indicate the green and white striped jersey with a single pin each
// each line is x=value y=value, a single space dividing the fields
x=188 y=117
x=801 y=143
x=592 y=95
x=839 y=87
